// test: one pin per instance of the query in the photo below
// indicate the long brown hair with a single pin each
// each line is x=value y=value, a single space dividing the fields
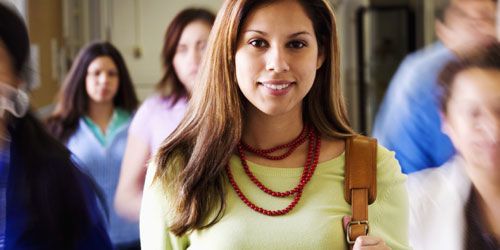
x=73 y=98
x=191 y=161
x=170 y=85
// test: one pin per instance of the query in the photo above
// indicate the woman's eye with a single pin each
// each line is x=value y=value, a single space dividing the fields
x=258 y=43
x=297 y=44
x=473 y=113
x=201 y=46
x=181 y=48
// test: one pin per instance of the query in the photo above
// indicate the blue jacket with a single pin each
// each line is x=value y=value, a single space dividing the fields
x=46 y=193
x=408 y=120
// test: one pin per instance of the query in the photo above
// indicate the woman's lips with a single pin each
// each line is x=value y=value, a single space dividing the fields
x=277 y=87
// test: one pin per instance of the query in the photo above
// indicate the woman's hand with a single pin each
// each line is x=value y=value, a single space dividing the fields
x=370 y=242
x=366 y=242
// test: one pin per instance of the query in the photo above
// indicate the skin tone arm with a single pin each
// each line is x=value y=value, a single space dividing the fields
x=133 y=171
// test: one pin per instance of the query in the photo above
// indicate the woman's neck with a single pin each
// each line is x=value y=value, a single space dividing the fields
x=101 y=114
x=264 y=131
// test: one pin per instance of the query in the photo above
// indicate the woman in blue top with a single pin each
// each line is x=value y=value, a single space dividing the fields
x=92 y=118
x=45 y=201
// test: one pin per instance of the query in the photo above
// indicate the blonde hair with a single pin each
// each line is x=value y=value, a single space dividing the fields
x=192 y=160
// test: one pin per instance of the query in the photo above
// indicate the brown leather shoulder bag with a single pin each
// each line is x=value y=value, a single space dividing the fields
x=360 y=188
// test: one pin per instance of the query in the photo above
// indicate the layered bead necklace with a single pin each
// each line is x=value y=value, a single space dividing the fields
x=314 y=145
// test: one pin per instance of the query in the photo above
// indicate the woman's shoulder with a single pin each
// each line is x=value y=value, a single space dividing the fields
x=161 y=100
x=157 y=104
x=385 y=156
x=388 y=168
x=148 y=108
x=385 y=159
x=153 y=102
x=435 y=180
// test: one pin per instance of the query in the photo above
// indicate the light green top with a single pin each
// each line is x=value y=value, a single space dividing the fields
x=315 y=223
x=118 y=118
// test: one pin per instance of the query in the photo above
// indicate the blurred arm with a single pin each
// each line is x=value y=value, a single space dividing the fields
x=133 y=172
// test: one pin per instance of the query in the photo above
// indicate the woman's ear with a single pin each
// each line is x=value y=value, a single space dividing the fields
x=321 y=58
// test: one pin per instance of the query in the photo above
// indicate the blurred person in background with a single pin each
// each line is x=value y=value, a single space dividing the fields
x=456 y=206
x=91 y=117
x=46 y=202
x=159 y=115
x=408 y=121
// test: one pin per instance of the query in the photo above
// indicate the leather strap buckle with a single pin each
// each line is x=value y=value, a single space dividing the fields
x=351 y=223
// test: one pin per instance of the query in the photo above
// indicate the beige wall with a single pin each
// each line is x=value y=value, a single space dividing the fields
x=141 y=25
x=45 y=30
x=133 y=25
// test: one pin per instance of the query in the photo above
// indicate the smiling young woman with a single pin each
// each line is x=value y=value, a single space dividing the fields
x=258 y=161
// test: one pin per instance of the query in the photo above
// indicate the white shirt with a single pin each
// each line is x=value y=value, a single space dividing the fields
x=437 y=202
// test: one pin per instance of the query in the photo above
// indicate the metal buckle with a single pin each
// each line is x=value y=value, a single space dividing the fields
x=359 y=222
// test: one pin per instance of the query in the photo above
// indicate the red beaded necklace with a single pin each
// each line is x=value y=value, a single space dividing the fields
x=266 y=152
x=309 y=167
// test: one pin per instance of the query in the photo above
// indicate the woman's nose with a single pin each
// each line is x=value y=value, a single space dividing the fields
x=276 y=61
x=103 y=78
x=195 y=56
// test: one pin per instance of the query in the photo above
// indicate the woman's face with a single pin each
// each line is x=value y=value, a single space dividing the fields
x=102 y=80
x=189 y=52
x=473 y=118
x=277 y=57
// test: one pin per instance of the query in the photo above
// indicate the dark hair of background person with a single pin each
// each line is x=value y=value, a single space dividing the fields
x=170 y=83
x=15 y=38
x=47 y=182
x=487 y=58
x=73 y=98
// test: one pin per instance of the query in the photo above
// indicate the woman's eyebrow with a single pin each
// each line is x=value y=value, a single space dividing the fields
x=291 y=35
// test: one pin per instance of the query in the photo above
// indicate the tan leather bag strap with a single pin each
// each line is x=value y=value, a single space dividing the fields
x=360 y=182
